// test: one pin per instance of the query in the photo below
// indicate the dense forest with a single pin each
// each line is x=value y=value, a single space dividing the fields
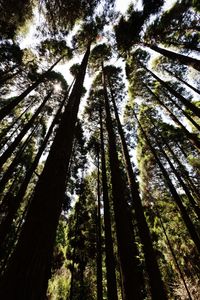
x=99 y=150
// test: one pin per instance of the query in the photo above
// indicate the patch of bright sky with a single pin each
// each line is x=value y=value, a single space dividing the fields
x=122 y=5
x=30 y=41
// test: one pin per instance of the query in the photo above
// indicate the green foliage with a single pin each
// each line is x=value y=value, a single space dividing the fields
x=74 y=257
x=14 y=15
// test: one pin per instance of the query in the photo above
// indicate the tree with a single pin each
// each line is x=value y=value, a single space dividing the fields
x=150 y=258
x=59 y=154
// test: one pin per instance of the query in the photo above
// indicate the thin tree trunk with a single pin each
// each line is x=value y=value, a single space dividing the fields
x=173 y=253
x=99 y=239
x=71 y=295
x=185 y=60
x=6 y=110
x=72 y=278
x=8 y=173
x=181 y=182
x=192 y=137
x=30 y=264
x=8 y=71
x=8 y=77
x=176 y=197
x=187 y=46
x=17 y=200
x=23 y=132
x=176 y=172
x=193 y=122
x=122 y=221
x=155 y=279
x=4 y=133
x=182 y=151
x=181 y=80
x=183 y=172
x=110 y=259
x=189 y=105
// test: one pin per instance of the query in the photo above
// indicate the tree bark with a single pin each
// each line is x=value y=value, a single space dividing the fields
x=99 y=238
x=17 y=200
x=110 y=259
x=173 y=253
x=122 y=221
x=176 y=197
x=29 y=267
x=181 y=182
x=157 y=287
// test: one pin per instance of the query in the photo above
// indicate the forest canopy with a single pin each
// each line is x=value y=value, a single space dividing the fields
x=99 y=150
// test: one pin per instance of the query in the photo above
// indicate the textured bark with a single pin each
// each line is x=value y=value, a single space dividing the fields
x=189 y=224
x=8 y=152
x=29 y=267
x=110 y=259
x=122 y=221
x=157 y=287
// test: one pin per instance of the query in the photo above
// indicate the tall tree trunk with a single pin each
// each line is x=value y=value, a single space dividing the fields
x=183 y=81
x=8 y=152
x=182 y=45
x=176 y=172
x=6 y=110
x=8 y=77
x=183 y=172
x=99 y=238
x=192 y=137
x=189 y=105
x=182 y=59
x=176 y=197
x=155 y=279
x=110 y=259
x=17 y=200
x=30 y=264
x=72 y=269
x=8 y=173
x=185 y=113
x=173 y=253
x=181 y=182
x=11 y=126
x=5 y=72
x=122 y=221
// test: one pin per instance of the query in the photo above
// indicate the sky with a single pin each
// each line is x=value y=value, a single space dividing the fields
x=30 y=40
x=122 y=5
